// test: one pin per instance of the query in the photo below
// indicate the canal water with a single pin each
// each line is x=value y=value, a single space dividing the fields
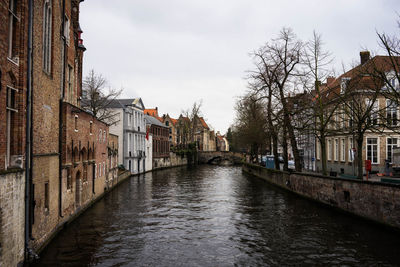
x=216 y=216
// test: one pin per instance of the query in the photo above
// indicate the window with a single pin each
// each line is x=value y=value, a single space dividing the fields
x=91 y=127
x=318 y=150
x=390 y=144
x=374 y=108
x=69 y=180
x=344 y=84
x=95 y=170
x=46 y=196
x=12 y=30
x=76 y=123
x=70 y=82
x=343 y=150
x=391 y=112
x=66 y=30
x=350 y=148
x=104 y=136
x=47 y=33
x=100 y=135
x=11 y=110
x=372 y=150
x=328 y=150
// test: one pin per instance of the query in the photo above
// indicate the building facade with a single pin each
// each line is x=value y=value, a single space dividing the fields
x=131 y=131
x=381 y=118
x=160 y=140
x=13 y=119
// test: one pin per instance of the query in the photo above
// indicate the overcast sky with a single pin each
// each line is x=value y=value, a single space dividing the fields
x=175 y=52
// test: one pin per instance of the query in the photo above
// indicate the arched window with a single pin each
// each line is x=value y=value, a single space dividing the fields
x=104 y=136
x=100 y=135
x=47 y=33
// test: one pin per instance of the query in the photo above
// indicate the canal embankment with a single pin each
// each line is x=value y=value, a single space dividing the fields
x=372 y=200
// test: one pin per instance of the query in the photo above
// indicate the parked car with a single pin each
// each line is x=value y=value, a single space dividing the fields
x=291 y=164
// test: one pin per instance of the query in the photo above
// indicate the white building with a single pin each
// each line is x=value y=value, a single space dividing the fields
x=131 y=131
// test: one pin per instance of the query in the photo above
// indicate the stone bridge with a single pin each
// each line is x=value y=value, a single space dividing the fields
x=220 y=157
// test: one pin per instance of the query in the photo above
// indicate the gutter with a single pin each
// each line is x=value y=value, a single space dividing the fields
x=61 y=123
x=29 y=201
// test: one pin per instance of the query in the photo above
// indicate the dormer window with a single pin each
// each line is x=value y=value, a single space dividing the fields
x=344 y=84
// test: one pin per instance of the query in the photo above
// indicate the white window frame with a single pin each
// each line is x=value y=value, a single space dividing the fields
x=328 y=149
x=13 y=19
x=377 y=149
x=350 y=148
x=374 y=110
x=342 y=150
x=11 y=109
x=67 y=29
x=104 y=136
x=391 y=145
x=389 y=108
x=336 y=150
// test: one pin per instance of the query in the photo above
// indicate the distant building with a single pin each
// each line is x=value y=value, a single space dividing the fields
x=131 y=131
x=171 y=123
x=160 y=139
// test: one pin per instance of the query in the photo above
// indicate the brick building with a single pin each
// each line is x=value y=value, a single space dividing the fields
x=160 y=134
x=13 y=99
x=171 y=123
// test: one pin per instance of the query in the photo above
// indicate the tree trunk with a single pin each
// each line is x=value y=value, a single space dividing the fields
x=285 y=149
x=275 y=151
x=360 y=138
x=323 y=154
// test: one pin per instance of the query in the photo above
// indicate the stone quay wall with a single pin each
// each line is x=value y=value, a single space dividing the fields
x=376 y=201
x=173 y=160
x=12 y=218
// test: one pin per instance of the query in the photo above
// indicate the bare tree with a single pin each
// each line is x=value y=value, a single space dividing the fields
x=251 y=125
x=97 y=97
x=316 y=69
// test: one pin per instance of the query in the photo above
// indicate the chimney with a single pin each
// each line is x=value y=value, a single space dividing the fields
x=329 y=80
x=364 y=56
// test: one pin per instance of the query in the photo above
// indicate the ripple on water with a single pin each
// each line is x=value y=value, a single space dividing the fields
x=215 y=216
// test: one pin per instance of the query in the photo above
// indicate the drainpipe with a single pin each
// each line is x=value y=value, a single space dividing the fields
x=61 y=123
x=28 y=145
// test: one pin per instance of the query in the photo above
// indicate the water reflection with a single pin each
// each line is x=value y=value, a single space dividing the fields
x=215 y=216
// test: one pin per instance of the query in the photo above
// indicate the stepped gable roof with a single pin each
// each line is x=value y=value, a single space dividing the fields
x=153 y=121
x=203 y=123
x=151 y=112
x=154 y=113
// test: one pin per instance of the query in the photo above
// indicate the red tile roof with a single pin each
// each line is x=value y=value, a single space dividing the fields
x=151 y=112
x=203 y=123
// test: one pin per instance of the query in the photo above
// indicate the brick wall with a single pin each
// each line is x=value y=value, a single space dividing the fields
x=13 y=73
